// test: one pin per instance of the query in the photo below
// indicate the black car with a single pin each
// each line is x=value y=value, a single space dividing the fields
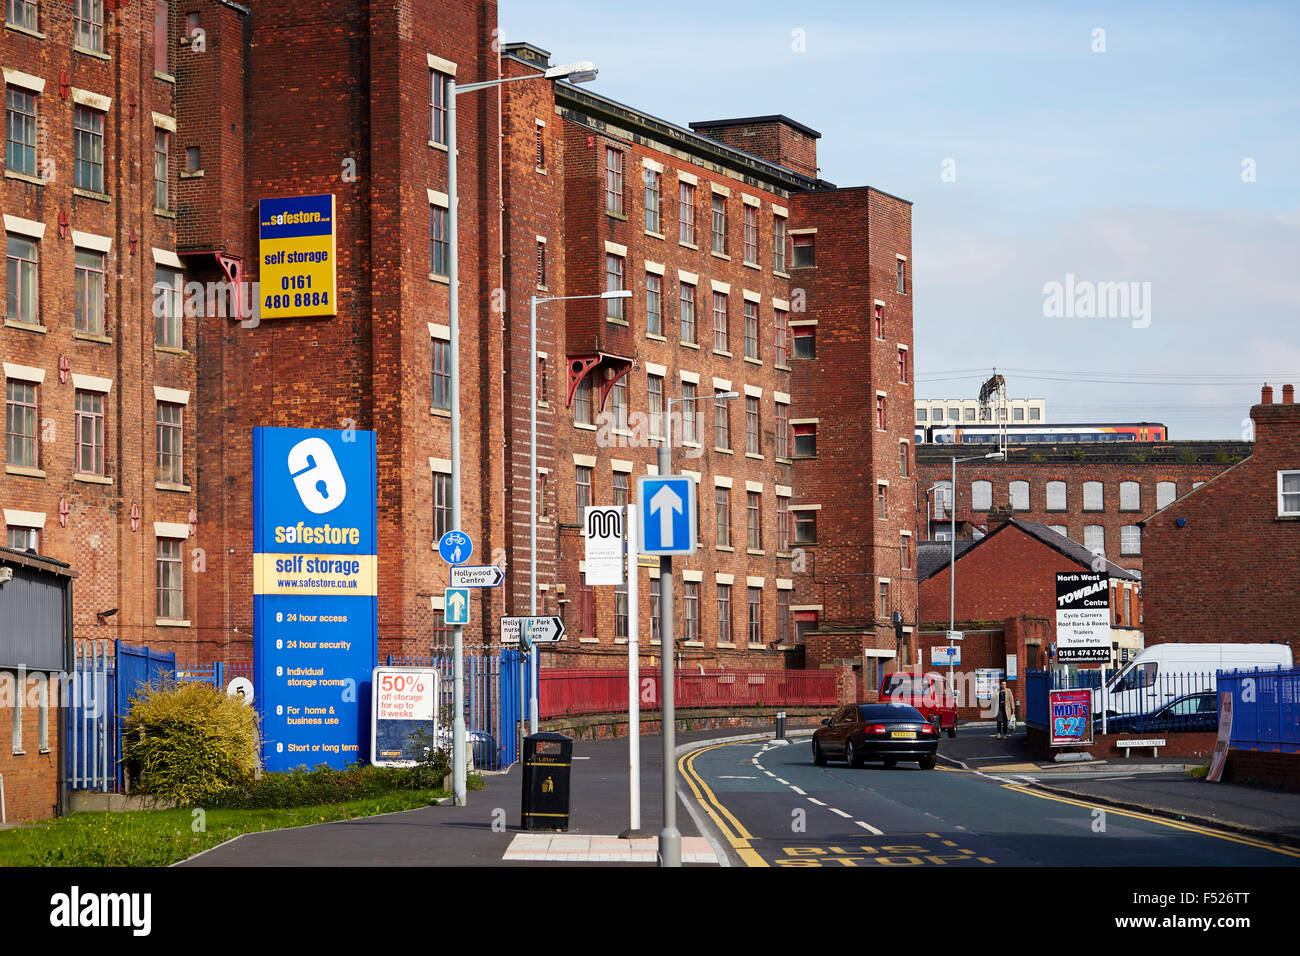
x=1191 y=712
x=887 y=732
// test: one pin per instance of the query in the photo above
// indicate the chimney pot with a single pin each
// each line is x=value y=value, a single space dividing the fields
x=1266 y=395
x=1288 y=394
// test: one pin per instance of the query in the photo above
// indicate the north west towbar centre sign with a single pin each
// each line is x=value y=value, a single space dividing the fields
x=297 y=257
x=315 y=612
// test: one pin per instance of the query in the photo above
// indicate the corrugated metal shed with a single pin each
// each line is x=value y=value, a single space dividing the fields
x=35 y=611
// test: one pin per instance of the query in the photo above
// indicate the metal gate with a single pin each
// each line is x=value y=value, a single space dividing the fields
x=487 y=723
x=91 y=711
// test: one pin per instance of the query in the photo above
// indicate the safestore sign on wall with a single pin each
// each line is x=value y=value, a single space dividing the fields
x=296 y=248
x=314 y=593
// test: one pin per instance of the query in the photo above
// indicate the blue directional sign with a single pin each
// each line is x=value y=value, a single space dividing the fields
x=668 y=514
x=455 y=547
x=456 y=605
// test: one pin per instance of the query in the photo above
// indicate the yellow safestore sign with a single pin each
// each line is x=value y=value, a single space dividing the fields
x=297 y=251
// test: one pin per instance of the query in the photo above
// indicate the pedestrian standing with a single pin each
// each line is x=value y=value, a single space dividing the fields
x=1006 y=709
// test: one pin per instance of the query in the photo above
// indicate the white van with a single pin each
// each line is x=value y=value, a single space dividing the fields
x=1164 y=672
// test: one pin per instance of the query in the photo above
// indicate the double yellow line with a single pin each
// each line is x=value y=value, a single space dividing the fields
x=1174 y=824
x=735 y=833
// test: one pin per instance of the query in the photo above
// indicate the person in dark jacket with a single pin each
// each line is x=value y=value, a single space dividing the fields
x=1006 y=712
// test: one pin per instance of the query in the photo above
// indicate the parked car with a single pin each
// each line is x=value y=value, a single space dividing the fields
x=928 y=693
x=1162 y=673
x=888 y=732
x=1191 y=712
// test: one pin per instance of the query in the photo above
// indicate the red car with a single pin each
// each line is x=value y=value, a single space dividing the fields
x=928 y=693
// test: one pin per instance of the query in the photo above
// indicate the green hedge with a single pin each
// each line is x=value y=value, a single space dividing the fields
x=185 y=741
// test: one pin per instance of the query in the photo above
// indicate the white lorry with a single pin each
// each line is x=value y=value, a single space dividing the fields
x=1164 y=672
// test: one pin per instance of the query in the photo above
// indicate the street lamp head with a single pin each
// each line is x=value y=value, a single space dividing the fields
x=584 y=71
x=995 y=454
x=727 y=395
x=620 y=294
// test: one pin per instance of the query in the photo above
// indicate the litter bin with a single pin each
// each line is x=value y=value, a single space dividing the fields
x=548 y=758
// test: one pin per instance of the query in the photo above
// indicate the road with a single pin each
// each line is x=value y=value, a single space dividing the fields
x=770 y=806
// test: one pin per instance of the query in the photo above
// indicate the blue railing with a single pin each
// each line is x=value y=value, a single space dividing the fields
x=1265 y=709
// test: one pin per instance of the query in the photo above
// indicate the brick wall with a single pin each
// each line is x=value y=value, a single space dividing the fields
x=1228 y=573
x=858 y=544
x=31 y=779
x=115 y=556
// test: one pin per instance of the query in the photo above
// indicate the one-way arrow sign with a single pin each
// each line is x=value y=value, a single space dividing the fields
x=477 y=576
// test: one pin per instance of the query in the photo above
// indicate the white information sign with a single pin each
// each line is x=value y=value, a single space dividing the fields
x=603 y=533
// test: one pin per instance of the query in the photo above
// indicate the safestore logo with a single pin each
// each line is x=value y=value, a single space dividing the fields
x=317 y=476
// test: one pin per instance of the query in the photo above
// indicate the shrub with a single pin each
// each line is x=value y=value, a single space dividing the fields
x=185 y=741
x=325 y=785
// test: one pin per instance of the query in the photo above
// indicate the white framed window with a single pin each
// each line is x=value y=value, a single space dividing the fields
x=1166 y=492
x=1094 y=498
x=1130 y=540
x=1056 y=496
x=1288 y=493
x=1094 y=538
x=1059 y=529
x=1019 y=494
x=1130 y=496
x=981 y=495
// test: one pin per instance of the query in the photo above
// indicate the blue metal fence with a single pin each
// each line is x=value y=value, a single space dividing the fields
x=137 y=667
x=1143 y=702
x=1265 y=709
x=91 y=717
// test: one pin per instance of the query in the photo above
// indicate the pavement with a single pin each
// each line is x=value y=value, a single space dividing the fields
x=486 y=832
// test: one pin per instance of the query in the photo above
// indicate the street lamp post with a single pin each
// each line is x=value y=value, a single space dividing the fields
x=670 y=838
x=533 y=303
x=577 y=73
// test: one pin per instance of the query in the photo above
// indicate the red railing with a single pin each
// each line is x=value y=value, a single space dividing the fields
x=578 y=691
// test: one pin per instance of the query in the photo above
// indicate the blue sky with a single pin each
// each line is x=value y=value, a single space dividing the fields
x=1122 y=165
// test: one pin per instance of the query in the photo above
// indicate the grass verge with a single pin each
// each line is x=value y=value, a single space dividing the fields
x=163 y=837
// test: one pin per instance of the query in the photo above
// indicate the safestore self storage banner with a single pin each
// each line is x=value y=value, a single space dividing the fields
x=297 y=239
x=315 y=608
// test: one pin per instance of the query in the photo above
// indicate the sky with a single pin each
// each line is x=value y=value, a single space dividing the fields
x=1151 y=144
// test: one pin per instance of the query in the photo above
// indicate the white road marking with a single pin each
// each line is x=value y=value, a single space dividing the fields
x=846 y=816
x=724 y=777
x=782 y=780
x=816 y=801
x=797 y=790
x=769 y=773
x=869 y=828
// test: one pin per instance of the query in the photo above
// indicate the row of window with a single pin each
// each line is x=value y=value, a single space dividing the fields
x=87 y=146
x=88 y=26
x=89 y=279
x=692 y=628
x=1057 y=495
x=24 y=432
x=985 y=414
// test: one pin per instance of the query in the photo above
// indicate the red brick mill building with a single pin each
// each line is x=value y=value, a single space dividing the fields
x=749 y=273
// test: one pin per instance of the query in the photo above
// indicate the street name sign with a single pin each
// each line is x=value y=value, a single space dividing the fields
x=956 y=636
x=538 y=630
x=477 y=576
x=668 y=517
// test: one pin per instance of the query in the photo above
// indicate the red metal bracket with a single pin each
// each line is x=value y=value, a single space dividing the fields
x=613 y=380
x=579 y=366
x=233 y=269
x=64 y=230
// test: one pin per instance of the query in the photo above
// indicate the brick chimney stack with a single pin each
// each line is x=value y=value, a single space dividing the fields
x=1266 y=395
x=1288 y=394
